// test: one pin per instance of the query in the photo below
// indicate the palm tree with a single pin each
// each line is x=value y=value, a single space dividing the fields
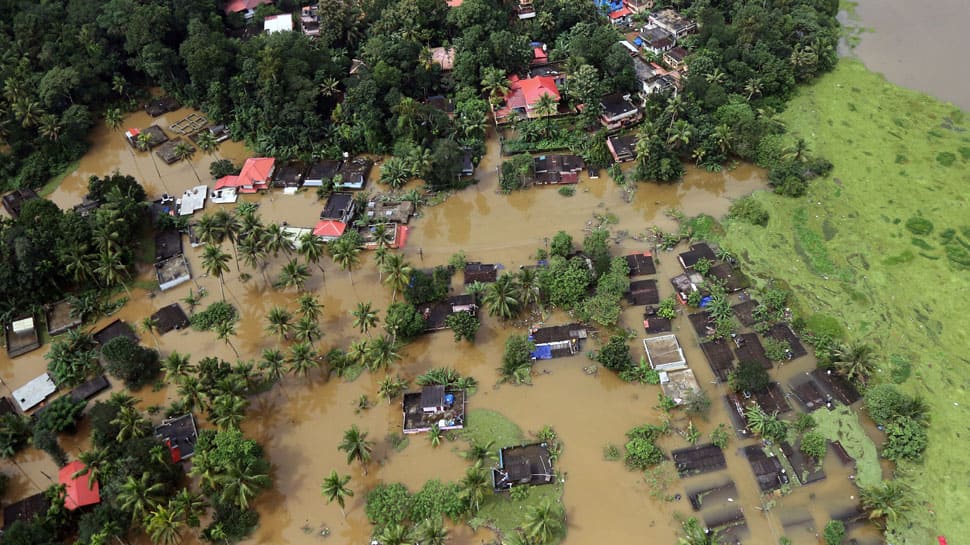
x=216 y=263
x=695 y=534
x=680 y=133
x=306 y=330
x=546 y=105
x=357 y=352
x=381 y=353
x=177 y=367
x=149 y=324
x=144 y=143
x=131 y=424
x=434 y=435
x=395 y=173
x=96 y=462
x=303 y=358
x=495 y=83
x=346 y=255
x=797 y=152
x=229 y=411
x=280 y=322
x=764 y=424
x=277 y=241
x=224 y=332
x=335 y=489
x=543 y=522
x=475 y=486
x=111 y=269
x=480 y=452
x=310 y=306
x=398 y=273
x=723 y=137
x=329 y=86
x=113 y=118
x=206 y=142
x=528 y=284
x=357 y=447
x=190 y=390
x=313 y=248
x=383 y=234
x=886 y=502
x=431 y=531
x=50 y=127
x=365 y=317
x=189 y=507
x=209 y=230
x=501 y=297
x=396 y=534
x=230 y=227
x=854 y=361
x=273 y=363
x=380 y=258
x=184 y=151
x=139 y=496
x=253 y=250
x=752 y=87
x=242 y=480
x=163 y=526
x=293 y=274
x=391 y=387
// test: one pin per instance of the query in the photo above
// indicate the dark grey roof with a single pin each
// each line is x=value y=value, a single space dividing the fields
x=433 y=396
x=616 y=104
x=337 y=205
x=323 y=170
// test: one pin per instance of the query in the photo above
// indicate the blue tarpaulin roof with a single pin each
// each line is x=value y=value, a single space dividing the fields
x=542 y=353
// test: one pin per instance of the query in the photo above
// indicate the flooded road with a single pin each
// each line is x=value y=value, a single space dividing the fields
x=917 y=45
x=301 y=421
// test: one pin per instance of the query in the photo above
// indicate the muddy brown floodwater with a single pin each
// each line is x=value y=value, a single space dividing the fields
x=301 y=421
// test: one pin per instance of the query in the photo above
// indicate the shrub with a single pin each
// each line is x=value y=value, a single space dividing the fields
x=697 y=404
x=805 y=422
x=46 y=440
x=720 y=437
x=640 y=373
x=562 y=244
x=517 y=360
x=436 y=499
x=749 y=210
x=404 y=321
x=776 y=350
x=567 y=191
x=464 y=325
x=61 y=415
x=72 y=358
x=14 y=434
x=834 y=532
x=813 y=444
x=217 y=313
x=388 y=504
x=222 y=167
x=919 y=226
x=615 y=355
x=703 y=266
x=642 y=454
x=426 y=288
x=133 y=364
x=668 y=308
x=749 y=377
x=905 y=440
x=884 y=402
x=234 y=524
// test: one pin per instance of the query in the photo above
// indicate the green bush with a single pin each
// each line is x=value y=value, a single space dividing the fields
x=776 y=350
x=233 y=524
x=464 y=325
x=567 y=191
x=668 y=308
x=404 y=321
x=905 y=440
x=61 y=415
x=615 y=355
x=749 y=210
x=749 y=377
x=834 y=532
x=222 y=167
x=813 y=444
x=388 y=504
x=14 y=434
x=134 y=364
x=72 y=358
x=884 y=402
x=919 y=226
x=46 y=440
x=436 y=499
x=217 y=313
x=642 y=454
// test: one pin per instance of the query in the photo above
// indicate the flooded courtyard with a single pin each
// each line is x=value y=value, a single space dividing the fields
x=300 y=421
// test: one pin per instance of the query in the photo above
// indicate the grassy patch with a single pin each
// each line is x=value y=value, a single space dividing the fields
x=913 y=307
x=55 y=182
x=843 y=425
x=503 y=512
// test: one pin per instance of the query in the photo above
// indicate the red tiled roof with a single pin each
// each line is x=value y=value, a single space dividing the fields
x=255 y=174
x=78 y=492
x=539 y=54
x=235 y=6
x=329 y=228
x=620 y=13
x=526 y=92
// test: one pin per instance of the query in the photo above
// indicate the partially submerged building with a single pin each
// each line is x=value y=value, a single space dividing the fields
x=618 y=111
x=699 y=459
x=60 y=317
x=321 y=172
x=25 y=510
x=643 y=292
x=255 y=176
x=379 y=210
x=179 y=434
x=289 y=177
x=161 y=105
x=168 y=152
x=79 y=489
x=13 y=202
x=664 y=353
x=476 y=271
x=21 y=336
x=170 y=317
x=192 y=200
x=557 y=169
x=557 y=341
x=523 y=465
x=340 y=207
x=354 y=174
x=679 y=385
x=172 y=272
x=435 y=314
x=90 y=388
x=117 y=328
x=434 y=405
x=697 y=252
x=34 y=392
x=622 y=148
x=156 y=137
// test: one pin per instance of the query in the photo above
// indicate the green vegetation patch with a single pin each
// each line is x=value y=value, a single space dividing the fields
x=843 y=425
x=870 y=207
x=484 y=425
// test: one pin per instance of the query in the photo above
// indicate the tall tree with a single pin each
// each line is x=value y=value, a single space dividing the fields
x=543 y=522
x=365 y=317
x=346 y=254
x=357 y=447
x=294 y=274
x=313 y=248
x=279 y=322
x=398 y=273
x=475 y=486
x=303 y=359
x=501 y=297
x=335 y=489
x=273 y=362
x=140 y=496
x=164 y=526
x=184 y=152
x=310 y=306
x=216 y=263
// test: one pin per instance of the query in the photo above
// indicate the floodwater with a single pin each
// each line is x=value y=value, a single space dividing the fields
x=917 y=45
x=300 y=422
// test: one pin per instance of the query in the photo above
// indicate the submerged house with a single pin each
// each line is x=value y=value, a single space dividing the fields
x=179 y=434
x=390 y=211
x=434 y=405
x=524 y=96
x=79 y=490
x=523 y=465
x=476 y=271
x=557 y=169
x=435 y=314
x=353 y=174
x=255 y=176
x=622 y=148
x=21 y=336
x=664 y=353
x=557 y=341
x=340 y=207
x=322 y=171
x=14 y=201
x=618 y=111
